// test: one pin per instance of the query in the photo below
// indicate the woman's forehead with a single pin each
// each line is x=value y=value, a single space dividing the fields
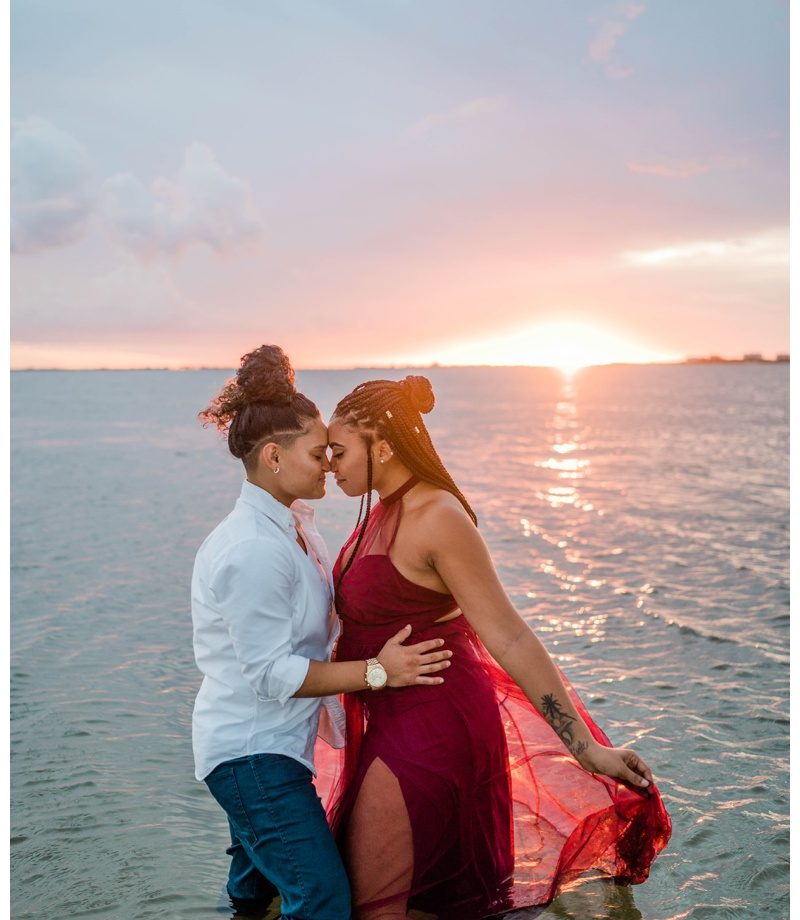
x=316 y=431
x=338 y=431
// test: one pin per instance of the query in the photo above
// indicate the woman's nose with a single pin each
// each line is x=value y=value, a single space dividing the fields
x=327 y=465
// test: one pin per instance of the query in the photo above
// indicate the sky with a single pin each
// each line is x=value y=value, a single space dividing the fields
x=374 y=183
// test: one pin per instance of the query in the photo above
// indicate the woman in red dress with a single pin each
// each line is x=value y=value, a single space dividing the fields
x=493 y=790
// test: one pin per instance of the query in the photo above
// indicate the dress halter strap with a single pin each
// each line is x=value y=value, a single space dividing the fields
x=399 y=493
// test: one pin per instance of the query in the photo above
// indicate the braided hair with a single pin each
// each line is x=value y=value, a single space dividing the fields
x=392 y=410
x=259 y=404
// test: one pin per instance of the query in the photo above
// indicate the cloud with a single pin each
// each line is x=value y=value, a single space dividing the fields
x=769 y=248
x=681 y=170
x=603 y=45
x=685 y=169
x=53 y=191
x=204 y=204
x=467 y=111
x=56 y=197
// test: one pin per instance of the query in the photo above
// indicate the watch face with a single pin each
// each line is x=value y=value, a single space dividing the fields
x=376 y=677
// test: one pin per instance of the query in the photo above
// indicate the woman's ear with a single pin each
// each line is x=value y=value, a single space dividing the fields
x=269 y=456
x=384 y=452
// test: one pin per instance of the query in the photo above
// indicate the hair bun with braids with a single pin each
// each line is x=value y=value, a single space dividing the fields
x=419 y=392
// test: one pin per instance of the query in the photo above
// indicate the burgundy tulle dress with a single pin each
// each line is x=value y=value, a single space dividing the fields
x=459 y=800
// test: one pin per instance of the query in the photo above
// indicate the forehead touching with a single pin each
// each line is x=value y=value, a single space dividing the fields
x=340 y=433
x=315 y=434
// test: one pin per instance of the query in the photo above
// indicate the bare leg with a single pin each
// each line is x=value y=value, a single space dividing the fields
x=379 y=848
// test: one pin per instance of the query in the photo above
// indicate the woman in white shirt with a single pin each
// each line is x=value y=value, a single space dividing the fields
x=264 y=627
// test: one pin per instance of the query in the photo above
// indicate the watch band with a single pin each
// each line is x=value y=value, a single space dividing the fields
x=371 y=664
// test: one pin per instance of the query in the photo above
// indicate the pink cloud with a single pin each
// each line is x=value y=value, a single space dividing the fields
x=601 y=49
x=682 y=170
x=603 y=43
x=465 y=112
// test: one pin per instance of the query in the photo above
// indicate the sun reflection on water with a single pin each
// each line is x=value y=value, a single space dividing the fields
x=567 y=465
x=566 y=441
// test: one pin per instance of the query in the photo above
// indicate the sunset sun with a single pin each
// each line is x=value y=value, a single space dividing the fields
x=565 y=345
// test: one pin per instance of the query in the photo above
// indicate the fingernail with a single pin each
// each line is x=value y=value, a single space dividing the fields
x=644 y=782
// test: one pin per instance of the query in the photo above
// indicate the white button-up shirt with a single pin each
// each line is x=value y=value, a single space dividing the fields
x=261 y=610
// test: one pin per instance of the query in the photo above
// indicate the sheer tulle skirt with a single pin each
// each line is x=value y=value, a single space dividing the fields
x=460 y=800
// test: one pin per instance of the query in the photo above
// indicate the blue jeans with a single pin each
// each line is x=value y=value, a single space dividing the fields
x=280 y=839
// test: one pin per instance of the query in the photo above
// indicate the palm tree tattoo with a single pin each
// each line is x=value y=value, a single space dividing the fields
x=562 y=724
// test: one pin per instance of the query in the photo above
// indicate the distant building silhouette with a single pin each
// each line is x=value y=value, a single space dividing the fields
x=755 y=357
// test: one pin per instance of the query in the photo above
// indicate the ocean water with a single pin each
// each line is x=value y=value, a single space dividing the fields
x=638 y=517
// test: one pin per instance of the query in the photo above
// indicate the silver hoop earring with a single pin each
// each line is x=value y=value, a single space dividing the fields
x=276 y=470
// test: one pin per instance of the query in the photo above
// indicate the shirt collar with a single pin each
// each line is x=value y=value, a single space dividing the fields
x=303 y=512
x=262 y=501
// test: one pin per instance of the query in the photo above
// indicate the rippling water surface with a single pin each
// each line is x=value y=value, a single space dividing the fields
x=638 y=517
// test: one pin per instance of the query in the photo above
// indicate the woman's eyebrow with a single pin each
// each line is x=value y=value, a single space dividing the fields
x=334 y=444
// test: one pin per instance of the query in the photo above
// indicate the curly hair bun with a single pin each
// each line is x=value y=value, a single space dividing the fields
x=266 y=376
x=419 y=392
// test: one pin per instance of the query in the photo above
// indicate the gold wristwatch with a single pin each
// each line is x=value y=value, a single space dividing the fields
x=376 y=676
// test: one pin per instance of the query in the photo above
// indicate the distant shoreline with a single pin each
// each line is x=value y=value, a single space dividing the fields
x=395 y=367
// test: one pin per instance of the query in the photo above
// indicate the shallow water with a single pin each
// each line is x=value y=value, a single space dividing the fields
x=638 y=517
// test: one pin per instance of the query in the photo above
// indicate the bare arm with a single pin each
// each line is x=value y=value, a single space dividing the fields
x=325 y=678
x=405 y=665
x=252 y=587
x=461 y=558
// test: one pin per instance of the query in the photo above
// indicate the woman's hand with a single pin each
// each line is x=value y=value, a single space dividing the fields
x=410 y=664
x=620 y=763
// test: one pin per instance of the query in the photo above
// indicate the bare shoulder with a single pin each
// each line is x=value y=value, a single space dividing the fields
x=441 y=513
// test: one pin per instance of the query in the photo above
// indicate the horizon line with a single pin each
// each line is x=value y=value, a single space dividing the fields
x=430 y=366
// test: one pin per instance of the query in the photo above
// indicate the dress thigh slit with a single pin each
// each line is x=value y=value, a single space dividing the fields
x=378 y=846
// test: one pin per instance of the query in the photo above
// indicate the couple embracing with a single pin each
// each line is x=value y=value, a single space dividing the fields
x=463 y=776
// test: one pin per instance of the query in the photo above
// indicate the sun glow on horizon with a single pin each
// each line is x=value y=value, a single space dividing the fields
x=565 y=345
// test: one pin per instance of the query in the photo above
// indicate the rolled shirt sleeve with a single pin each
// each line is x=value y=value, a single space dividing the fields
x=253 y=586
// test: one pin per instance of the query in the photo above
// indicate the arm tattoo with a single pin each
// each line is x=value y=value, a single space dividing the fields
x=562 y=724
